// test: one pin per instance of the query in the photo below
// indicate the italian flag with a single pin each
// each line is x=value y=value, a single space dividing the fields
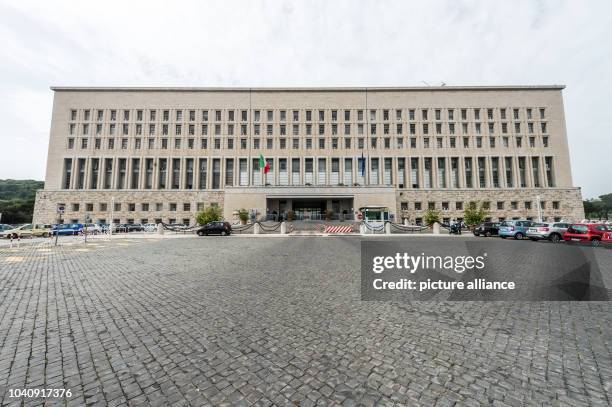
x=263 y=164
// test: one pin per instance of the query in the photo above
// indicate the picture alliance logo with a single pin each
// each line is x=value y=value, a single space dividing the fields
x=412 y=263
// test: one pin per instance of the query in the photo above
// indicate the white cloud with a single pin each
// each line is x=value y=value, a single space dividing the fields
x=302 y=43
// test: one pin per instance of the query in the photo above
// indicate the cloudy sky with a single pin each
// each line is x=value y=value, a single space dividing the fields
x=306 y=43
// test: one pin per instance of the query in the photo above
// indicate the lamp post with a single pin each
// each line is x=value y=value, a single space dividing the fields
x=112 y=215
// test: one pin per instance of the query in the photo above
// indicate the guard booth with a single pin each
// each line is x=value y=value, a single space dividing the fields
x=374 y=218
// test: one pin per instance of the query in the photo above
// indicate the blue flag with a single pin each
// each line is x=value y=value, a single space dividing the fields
x=362 y=165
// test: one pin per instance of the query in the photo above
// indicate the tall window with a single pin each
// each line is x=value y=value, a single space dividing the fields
x=148 y=173
x=189 y=173
x=135 y=182
x=108 y=173
x=550 y=176
x=122 y=166
x=469 y=172
x=428 y=173
x=176 y=173
x=482 y=180
x=216 y=173
x=203 y=173
x=495 y=171
x=162 y=173
x=535 y=167
x=67 y=172
x=229 y=171
x=441 y=172
x=522 y=164
x=81 y=173
x=509 y=172
x=414 y=171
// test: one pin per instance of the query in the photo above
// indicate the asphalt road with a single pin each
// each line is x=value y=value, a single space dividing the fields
x=278 y=321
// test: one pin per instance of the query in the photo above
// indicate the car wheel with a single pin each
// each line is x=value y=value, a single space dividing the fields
x=518 y=236
x=223 y=233
x=595 y=242
x=15 y=236
x=45 y=234
x=476 y=234
x=555 y=238
x=488 y=234
x=200 y=233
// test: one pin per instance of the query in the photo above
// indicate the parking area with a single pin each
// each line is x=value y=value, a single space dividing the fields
x=262 y=321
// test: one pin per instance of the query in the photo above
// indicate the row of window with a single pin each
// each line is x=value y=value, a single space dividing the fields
x=404 y=206
x=307 y=143
x=458 y=206
x=404 y=172
x=283 y=115
x=309 y=129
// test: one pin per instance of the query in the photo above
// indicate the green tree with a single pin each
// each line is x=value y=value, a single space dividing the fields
x=431 y=216
x=474 y=214
x=210 y=214
x=17 y=200
x=606 y=205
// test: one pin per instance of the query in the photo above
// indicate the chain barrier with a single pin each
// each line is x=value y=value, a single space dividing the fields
x=242 y=228
x=269 y=228
x=404 y=228
x=183 y=229
x=373 y=228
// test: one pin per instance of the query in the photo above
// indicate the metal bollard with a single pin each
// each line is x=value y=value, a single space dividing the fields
x=388 y=228
x=256 y=229
x=283 y=228
x=160 y=229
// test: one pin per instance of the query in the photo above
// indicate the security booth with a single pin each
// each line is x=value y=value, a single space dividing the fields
x=374 y=218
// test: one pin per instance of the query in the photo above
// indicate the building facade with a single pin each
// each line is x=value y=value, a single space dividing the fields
x=150 y=155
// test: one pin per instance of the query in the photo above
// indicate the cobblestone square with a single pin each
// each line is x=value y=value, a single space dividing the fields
x=276 y=321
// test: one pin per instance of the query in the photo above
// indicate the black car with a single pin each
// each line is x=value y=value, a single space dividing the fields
x=135 y=227
x=215 y=228
x=487 y=229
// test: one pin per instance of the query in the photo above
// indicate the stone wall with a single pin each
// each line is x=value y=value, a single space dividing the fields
x=45 y=209
x=569 y=199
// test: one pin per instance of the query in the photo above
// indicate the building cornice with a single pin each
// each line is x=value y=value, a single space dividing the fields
x=304 y=89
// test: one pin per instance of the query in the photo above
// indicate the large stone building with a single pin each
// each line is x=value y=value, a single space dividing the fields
x=147 y=155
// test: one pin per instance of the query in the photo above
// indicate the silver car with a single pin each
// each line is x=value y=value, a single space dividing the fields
x=547 y=231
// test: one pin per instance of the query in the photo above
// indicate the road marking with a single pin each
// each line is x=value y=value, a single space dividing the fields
x=13 y=259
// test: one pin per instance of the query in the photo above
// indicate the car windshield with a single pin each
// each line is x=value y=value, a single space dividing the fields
x=540 y=224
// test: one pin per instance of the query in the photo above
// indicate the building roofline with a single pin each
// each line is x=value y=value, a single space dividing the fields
x=302 y=89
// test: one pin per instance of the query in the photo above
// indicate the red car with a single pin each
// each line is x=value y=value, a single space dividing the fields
x=586 y=233
x=607 y=237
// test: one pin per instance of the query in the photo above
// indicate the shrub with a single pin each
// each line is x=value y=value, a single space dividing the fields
x=474 y=214
x=431 y=216
x=243 y=215
x=210 y=214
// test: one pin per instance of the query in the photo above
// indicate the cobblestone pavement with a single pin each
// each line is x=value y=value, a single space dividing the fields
x=239 y=321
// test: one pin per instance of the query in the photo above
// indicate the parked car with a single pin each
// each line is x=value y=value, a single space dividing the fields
x=28 y=230
x=135 y=227
x=215 y=228
x=607 y=237
x=119 y=228
x=4 y=227
x=68 y=229
x=514 y=228
x=92 y=229
x=150 y=227
x=487 y=229
x=586 y=233
x=547 y=231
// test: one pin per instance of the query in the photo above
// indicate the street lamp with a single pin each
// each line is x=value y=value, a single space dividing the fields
x=112 y=215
